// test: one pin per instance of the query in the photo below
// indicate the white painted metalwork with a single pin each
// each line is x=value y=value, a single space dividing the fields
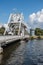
x=16 y=25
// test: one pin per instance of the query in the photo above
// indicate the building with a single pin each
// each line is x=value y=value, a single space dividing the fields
x=32 y=32
x=16 y=25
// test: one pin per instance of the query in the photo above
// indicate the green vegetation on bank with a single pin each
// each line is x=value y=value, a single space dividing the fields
x=35 y=37
x=38 y=32
x=2 y=29
x=39 y=37
x=31 y=37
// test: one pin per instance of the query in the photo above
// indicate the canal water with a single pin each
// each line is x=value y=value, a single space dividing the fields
x=23 y=53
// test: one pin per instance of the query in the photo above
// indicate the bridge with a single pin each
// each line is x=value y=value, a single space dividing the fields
x=16 y=30
x=5 y=40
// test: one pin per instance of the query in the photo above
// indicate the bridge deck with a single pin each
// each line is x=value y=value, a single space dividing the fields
x=7 y=39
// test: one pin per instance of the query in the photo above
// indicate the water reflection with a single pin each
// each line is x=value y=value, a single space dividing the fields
x=23 y=53
x=1 y=56
x=7 y=52
x=17 y=57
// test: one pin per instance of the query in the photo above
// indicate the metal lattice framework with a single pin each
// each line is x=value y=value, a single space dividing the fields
x=16 y=25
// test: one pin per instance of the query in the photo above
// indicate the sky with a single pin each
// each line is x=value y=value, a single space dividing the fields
x=29 y=8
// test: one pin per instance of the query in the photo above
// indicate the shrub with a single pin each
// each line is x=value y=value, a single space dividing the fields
x=32 y=38
x=39 y=37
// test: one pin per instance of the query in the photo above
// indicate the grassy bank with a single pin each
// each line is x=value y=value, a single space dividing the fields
x=36 y=37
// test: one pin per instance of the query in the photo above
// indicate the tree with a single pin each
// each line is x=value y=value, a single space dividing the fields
x=38 y=31
x=2 y=29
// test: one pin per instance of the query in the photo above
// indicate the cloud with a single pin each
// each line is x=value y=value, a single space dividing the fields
x=6 y=26
x=36 y=19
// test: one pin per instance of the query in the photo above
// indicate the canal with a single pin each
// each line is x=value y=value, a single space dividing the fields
x=23 y=53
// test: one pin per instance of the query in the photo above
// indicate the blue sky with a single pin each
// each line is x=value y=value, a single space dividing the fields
x=25 y=6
